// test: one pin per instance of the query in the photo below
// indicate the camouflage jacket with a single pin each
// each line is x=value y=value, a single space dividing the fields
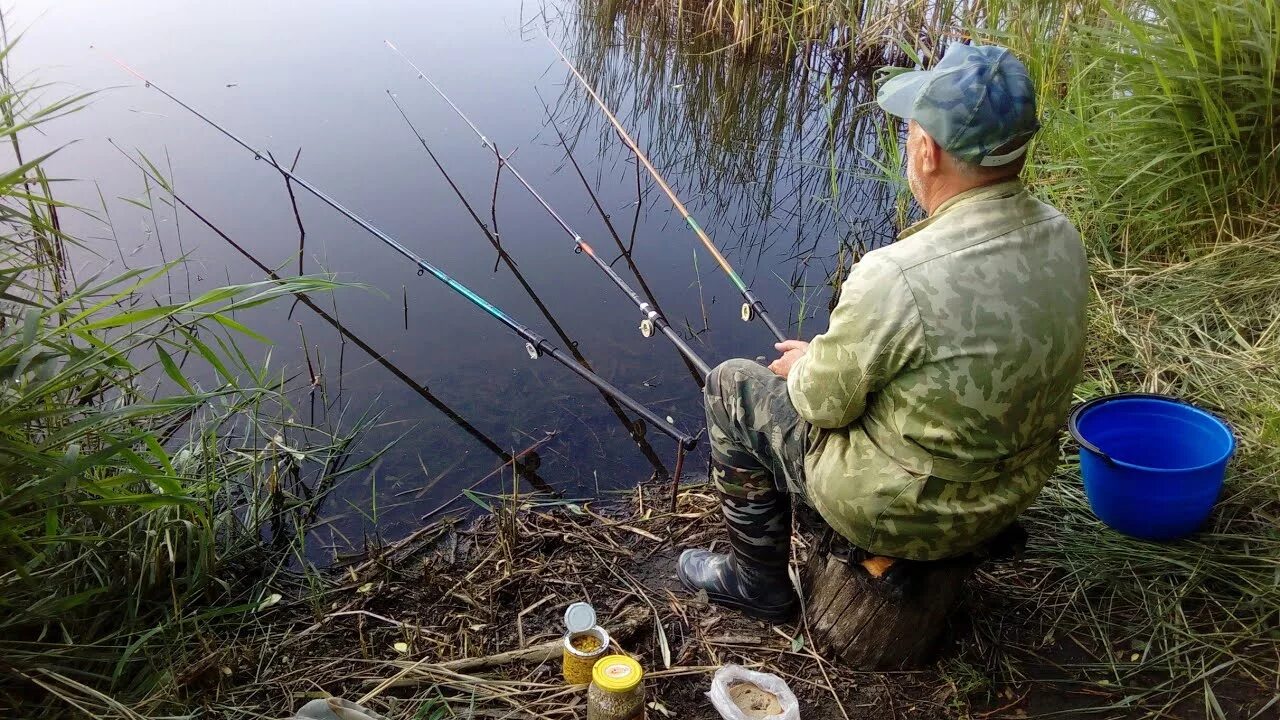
x=938 y=391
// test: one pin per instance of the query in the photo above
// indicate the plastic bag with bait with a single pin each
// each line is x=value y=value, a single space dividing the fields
x=334 y=709
x=725 y=694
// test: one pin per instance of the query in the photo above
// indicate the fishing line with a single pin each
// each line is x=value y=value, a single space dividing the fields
x=634 y=428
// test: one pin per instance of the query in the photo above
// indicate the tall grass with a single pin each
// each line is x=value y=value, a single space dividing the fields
x=1161 y=144
x=144 y=462
x=842 y=33
x=1165 y=125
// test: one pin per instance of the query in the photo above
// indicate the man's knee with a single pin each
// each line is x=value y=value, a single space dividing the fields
x=727 y=378
x=723 y=394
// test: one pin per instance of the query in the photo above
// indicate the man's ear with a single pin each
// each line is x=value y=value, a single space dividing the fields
x=930 y=154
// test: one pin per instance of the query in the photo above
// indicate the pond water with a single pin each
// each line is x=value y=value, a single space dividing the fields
x=749 y=146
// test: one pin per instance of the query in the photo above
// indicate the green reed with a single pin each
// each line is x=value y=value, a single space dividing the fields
x=1159 y=142
x=145 y=461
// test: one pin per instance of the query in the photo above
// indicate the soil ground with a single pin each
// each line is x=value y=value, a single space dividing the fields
x=391 y=629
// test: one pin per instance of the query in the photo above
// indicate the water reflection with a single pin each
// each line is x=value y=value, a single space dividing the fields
x=786 y=157
x=698 y=368
x=634 y=427
x=525 y=463
x=749 y=143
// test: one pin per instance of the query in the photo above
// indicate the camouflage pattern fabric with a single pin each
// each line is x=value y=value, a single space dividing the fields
x=933 y=402
x=753 y=577
x=752 y=424
x=976 y=102
x=757 y=440
x=757 y=515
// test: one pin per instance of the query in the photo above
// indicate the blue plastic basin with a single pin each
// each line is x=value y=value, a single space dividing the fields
x=1152 y=465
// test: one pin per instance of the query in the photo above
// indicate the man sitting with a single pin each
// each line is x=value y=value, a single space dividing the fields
x=926 y=417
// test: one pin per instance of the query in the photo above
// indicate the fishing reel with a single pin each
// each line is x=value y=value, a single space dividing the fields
x=748 y=312
x=646 y=328
x=534 y=352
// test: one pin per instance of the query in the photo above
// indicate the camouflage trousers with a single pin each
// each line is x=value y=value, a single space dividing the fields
x=752 y=424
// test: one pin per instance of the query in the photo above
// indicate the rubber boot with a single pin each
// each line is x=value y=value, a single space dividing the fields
x=753 y=577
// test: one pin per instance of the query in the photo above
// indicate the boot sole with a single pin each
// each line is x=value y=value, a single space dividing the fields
x=778 y=614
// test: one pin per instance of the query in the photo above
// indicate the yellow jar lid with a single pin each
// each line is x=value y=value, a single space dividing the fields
x=617 y=674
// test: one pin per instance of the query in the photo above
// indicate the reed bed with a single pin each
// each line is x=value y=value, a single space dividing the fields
x=848 y=34
x=150 y=474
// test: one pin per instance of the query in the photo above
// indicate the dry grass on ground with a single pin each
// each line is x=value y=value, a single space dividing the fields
x=419 y=629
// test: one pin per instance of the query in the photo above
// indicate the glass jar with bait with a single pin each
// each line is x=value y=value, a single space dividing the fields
x=584 y=643
x=581 y=651
x=617 y=690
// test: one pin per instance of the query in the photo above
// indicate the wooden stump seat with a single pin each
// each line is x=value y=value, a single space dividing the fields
x=879 y=613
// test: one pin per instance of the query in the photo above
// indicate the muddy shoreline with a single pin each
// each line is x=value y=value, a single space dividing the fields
x=430 y=628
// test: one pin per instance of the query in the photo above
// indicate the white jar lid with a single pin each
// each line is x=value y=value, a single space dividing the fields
x=579 y=617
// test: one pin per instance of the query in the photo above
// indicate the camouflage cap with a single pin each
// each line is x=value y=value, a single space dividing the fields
x=978 y=103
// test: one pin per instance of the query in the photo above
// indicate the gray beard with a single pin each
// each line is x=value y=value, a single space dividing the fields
x=913 y=184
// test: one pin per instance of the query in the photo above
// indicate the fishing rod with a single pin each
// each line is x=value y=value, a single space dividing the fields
x=624 y=251
x=635 y=429
x=752 y=308
x=652 y=318
x=377 y=357
x=535 y=344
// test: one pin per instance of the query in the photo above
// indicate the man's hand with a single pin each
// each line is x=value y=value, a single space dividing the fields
x=792 y=350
